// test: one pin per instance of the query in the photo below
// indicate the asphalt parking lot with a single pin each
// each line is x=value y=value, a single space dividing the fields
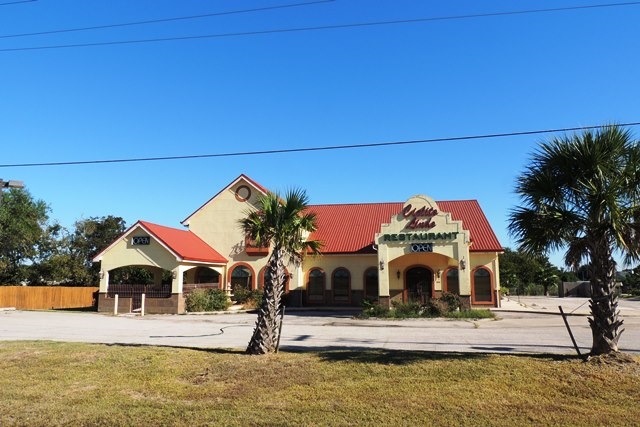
x=525 y=326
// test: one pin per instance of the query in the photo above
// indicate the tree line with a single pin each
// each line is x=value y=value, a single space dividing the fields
x=522 y=273
x=35 y=250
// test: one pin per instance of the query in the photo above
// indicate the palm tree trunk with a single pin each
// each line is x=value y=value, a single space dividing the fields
x=605 y=321
x=265 y=335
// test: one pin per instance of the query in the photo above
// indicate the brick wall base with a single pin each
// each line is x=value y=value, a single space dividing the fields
x=106 y=304
x=384 y=302
x=171 y=305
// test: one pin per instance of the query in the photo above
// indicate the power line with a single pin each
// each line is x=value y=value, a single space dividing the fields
x=155 y=21
x=324 y=27
x=310 y=149
x=16 y=2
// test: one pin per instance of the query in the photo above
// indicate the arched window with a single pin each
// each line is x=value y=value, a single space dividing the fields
x=371 y=288
x=341 y=284
x=316 y=285
x=241 y=276
x=482 y=289
x=264 y=275
x=453 y=281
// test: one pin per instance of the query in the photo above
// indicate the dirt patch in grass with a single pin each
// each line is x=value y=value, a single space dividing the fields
x=622 y=362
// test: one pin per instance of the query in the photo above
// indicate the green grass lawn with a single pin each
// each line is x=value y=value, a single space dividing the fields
x=44 y=383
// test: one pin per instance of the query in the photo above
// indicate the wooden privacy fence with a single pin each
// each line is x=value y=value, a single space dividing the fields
x=47 y=297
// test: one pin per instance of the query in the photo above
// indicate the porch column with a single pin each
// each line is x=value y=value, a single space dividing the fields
x=383 y=277
x=104 y=281
x=298 y=278
x=177 y=282
x=464 y=276
x=496 y=278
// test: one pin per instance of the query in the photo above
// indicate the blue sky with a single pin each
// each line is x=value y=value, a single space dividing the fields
x=275 y=91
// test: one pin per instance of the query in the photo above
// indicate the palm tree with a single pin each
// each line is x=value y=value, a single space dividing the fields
x=281 y=225
x=581 y=193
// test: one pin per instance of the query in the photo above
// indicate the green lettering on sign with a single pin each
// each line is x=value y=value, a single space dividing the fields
x=406 y=237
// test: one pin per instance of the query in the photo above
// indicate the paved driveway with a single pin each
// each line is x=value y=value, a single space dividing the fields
x=513 y=332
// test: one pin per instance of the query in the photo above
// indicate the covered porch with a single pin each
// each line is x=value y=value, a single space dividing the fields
x=161 y=263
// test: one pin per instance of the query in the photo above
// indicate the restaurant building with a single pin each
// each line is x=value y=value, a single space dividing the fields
x=384 y=252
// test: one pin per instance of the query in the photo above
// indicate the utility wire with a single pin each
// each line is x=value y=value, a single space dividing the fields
x=309 y=149
x=155 y=21
x=16 y=2
x=324 y=27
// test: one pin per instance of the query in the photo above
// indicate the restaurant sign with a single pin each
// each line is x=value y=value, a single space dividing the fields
x=418 y=237
x=421 y=247
x=420 y=218
x=140 y=240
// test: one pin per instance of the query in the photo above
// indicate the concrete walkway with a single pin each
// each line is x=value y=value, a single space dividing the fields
x=524 y=327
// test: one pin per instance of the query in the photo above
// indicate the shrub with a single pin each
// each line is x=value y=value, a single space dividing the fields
x=218 y=300
x=240 y=294
x=196 y=300
x=452 y=300
x=435 y=307
x=207 y=300
x=447 y=306
x=471 y=314
x=407 y=309
x=372 y=309
x=253 y=299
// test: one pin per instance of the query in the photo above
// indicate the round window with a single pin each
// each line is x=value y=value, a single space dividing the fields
x=243 y=193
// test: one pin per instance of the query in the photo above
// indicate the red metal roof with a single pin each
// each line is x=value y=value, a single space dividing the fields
x=483 y=238
x=183 y=243
x=351 y=228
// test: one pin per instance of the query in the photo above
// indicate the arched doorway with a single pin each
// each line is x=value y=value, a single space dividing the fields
x=241 y=278
x=418 y=284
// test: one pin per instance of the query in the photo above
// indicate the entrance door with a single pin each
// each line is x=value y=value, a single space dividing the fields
x=417 y=285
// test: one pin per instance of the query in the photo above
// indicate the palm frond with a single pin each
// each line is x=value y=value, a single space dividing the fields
x=282 y=223
x=583 y=186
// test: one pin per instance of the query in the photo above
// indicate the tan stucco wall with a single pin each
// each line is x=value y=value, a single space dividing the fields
x=488 y=260
x=356 y=264
x=217 y=223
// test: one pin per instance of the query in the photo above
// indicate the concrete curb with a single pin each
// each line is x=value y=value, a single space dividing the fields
x=552 y=313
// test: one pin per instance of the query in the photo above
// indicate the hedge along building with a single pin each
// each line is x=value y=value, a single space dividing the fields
x=384 y=252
